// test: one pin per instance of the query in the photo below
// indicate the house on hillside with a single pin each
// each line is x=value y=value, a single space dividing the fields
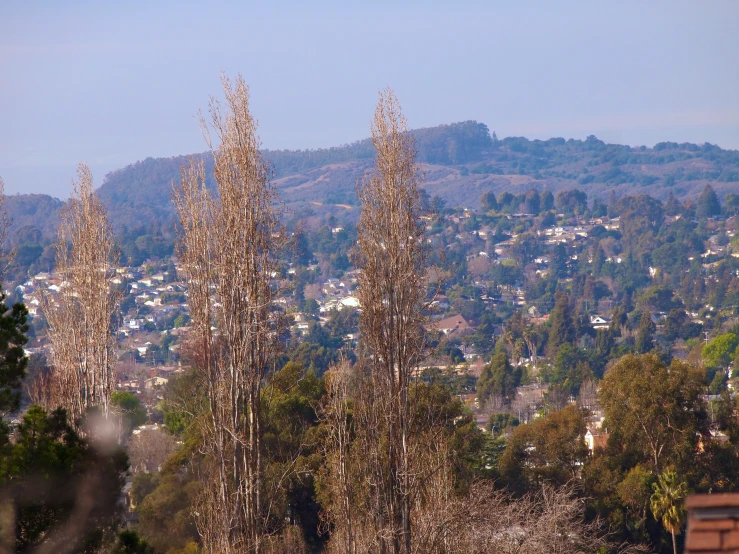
x=452 y=325
x=600 y=322
x=155 y=382
x=349 y=302
x=595 y=438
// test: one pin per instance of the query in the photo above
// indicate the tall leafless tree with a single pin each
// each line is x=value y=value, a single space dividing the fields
x=340 y=508
x=230 y=243
x=81 y=315
x=148 y=449
x=391 y=257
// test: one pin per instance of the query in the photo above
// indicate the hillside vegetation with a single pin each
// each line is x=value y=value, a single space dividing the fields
x=460 y=162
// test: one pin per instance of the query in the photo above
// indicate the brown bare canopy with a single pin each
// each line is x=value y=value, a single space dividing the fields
x=231 y=239
x=81 y=315
x=391 y=257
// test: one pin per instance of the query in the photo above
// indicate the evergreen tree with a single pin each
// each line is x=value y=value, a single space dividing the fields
x=13 y=361
x=598 y=208
x=559 y=261
x=603 y=342
x=645 y=335
x=612 y=211
x=731 y=204
x=498 y=378
x=488 y=201
x=562 y=328
x=532 y=204
x=699 y=291
x=572 y=201
x=506 y=201
x=708 y=204
x=589 y=292
x=599 y=259
x=570 y=369
x=672 y=206
x=45 y=471
x=546 y=200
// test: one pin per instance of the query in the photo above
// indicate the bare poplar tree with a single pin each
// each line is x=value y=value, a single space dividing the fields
x=341 y=509
x=229 y=247
x=391 y=258
x=40 y=390
x=149 y=448
x=81 y=316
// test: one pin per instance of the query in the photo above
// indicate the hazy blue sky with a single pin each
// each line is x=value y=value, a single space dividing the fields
x=111 y=83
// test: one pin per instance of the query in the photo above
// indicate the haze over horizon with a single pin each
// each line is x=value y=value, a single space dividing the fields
x=113 y=85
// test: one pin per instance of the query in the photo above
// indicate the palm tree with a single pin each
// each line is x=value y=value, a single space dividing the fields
x=667 y=503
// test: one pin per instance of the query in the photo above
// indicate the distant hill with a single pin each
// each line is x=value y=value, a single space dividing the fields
x=460 y=161
x=33 y=210
x=141 y=191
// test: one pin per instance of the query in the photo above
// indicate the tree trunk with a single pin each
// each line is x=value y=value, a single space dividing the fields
x=7 y=524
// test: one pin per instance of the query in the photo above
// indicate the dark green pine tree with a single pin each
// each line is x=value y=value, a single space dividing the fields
x=546 y=200
x=604 y=342
x=618 y=320
x=612 y=204
x=13 y=361
x=708 y=204
x=599 y=259
x=559 y=261
x=562 y=329
x=645 y=335
x=589 y=292
x=45 y=470
x=46 y=466
x=498 y=378
x=672 y=206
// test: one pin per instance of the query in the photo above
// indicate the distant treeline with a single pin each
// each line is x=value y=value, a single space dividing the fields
x=563 y=174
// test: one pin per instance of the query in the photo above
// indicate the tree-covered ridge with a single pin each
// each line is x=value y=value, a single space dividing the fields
x=147 y=184
x=460 y=162
x=453 y=144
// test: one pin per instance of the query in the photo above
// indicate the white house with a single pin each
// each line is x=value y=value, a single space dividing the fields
x=599 y=322
x=350 y=302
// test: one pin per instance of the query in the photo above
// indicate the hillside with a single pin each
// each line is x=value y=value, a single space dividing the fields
x=460 y=162
x=141 y=191
x=33 y=210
